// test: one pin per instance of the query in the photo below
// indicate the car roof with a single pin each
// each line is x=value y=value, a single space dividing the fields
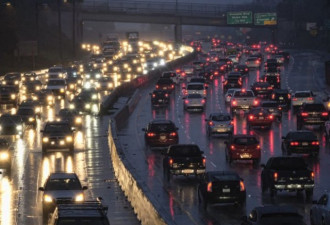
x=62 y=175
x=57 y=122
x=161 y=121
x=281 y=91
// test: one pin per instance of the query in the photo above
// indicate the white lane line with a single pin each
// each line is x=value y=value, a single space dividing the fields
x=213 y=164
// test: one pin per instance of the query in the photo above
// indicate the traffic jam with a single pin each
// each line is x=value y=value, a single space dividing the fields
x=49 y=126
x=226 y=140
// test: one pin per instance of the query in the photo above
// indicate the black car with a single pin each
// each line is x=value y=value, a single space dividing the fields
x=86 y=102
x=273 y=107
x=183 y=159
x=45 y=97
x=160 y=98
x=243 y=69
x=260 y=117
x=312 y=114
x=302 y=141
x=71 y=116
x=8 y=95
x=273 y=215
x=219 y=187
x=57 y=135
x=11 y=125
x=287 y=174
x=273 y=80
x=232 y=83
x=12 y=79
x=262 y=89
x=161 y=133
x=6 y=154
x=283 y=98
x=33 y=104
x=165 y=84
x=208 y=74
x=33 y=86
x=28 y=116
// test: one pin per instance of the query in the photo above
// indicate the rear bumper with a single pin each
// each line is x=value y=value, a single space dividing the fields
x=304 y=150
x=218 y=198
x=187 y=171
x=245 y=155
x=293 y=186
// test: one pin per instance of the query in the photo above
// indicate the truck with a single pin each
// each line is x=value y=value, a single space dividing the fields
x=285 y=173
x=183 y=159
x=243 y=100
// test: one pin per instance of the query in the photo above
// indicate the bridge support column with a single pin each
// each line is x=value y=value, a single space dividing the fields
x=178 y=33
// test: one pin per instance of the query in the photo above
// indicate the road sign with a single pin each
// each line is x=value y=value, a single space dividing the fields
x=265 y=19
x=239 y=18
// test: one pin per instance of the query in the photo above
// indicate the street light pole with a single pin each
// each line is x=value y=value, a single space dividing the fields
x=59 y=30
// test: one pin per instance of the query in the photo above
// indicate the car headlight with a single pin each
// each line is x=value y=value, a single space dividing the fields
x=12 y=96
x=19 y=127
x=87 y=106
x=31 y=119
x=48 y=198
x=94 y=97
x=110 y=85
x=71 y=86
x=79 y=198
x=4 y=82
x=37 y=88
x=71 y=106
x=62 y=90
x=155 y=64
x=45 y=139
x=4 y=155
x=69 y=138
x=37 y=109
x=16 y=82
x=78 y=120
x=97 y=76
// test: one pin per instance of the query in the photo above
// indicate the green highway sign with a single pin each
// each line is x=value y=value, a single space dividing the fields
x=265 y=19
x=239 y=18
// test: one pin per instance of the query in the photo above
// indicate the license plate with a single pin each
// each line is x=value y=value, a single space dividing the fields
x=187 y=171
x=163 y=137
x=304 y=144
x=160 y=100
x=221 y=130
x=245 y=156
x=226 y=190
x=280 y=98
x=261 y=117
x=231 y=85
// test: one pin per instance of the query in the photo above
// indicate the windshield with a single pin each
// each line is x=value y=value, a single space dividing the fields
x=243 y=94
x=162 y=127
x=55 y=70
x=288 y=164
x=63 y=184
x=314 y=107
x=10 y=119
x=194 y=96
x=184 y=150
x=245 y=141
x=25 y=111
x=195 y=87
x=57 y=128
x=302 y=94
x=83 y=221
x=221 y=118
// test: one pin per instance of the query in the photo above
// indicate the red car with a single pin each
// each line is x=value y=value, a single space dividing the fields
x=243 y=147
x=260 y=117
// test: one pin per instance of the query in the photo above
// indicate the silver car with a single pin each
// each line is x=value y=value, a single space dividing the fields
x=300 y=97
x=219 y=123
x=320 y=211
x=229 y=94
x=194 y=102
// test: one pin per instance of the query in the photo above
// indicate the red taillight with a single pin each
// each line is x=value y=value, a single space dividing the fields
x=232 y=147
x=166 y=95
x=172 y=86
x=178 y=71
x=204 y=162
x=226 y=82
x=273 y=96
x=211 y=123
x=294 y=99
x=251 y=117
x=258 y=147
x=150 y=134
x=315 y=143
x=246 y=69
x=325 y=114
x=294 y=143
x=222 y=68
x=279 y=108
x=186 y=101
x=173 y=134
x=241 y=186
x=209 y=187
x=203 y=101
x=304 y=114
x=170 y=162
x=153 y=95
x=232 y=122
x=270 y=88
x=312 y=175
x=289 y=96
x=204 y=92
x=258 y=88
x=257 y=61
x=271 y=117
x=255 y=102
x=183 y=74
x=216 y=73
x=233 y=102
x=157 y=86
x=310 y=98
x=275 y=176
x=207 y=59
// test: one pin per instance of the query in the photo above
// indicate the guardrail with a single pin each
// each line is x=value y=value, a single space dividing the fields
x=149 y=211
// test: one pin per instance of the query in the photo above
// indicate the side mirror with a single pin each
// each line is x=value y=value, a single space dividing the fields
x=262 y=165
x=143 y=129
x=84 y=187
x=41 y=189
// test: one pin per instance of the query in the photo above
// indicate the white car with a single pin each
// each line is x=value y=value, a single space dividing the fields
x=194 y=102
x=300 y=97
x=56 y=72
x=229 y=94
x=234 y=59
x=57 y=86
x=320 y=211
x=195 y=88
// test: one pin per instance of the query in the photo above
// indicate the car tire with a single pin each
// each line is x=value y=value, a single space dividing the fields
x=263 y=186
x=309 y=193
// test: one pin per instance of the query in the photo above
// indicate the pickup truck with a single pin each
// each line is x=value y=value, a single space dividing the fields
x=287 y=173
x=243 y=99
x=183 y=159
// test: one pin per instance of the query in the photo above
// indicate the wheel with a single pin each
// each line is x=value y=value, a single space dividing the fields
x=263 y=187
x=309 y=193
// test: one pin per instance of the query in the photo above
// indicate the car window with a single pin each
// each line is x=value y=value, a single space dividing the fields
x=245 y=141
x=221 y=118
x=269 y=104
x=56 y=82
x=302 y=94
x=288 y=164
x=25 y=111
x=57 y=128
x=162 y=127
x=195 y=87
x=314 y=107
x=63 y=184
x=243 y=94
x=184 y=150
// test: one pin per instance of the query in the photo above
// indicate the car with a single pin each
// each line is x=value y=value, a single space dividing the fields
x=274 y=108
x=234 y=59
x=187 y=71
x=229 y=94
x=243 y=69
x=194 y=102
x=12 y=79
x=272 y=70
x=195 y=88
x=207 y=73
x=29 y=76
x=320 y=211
x=286 y=173
x=11 y=125
x=57 y=86
x=6 y=154
x=32 y=86
x=56 y=72
x=87 y=212
x=273 y=215
x=221 y=187
x=200 y=80
x=262 y=89
x=279 y=58
x=301 y=97
x=312 y=114
x=60 y=188
x=105 y=84
x=234 y=75
x=161 y=133
x=165 y=84
x=28 y=116
x=71 y=116
x=219 y=123
x=301 y=142
x=171 y=75
x=282 y=97
x=243 y=147
x=260 y=117
x=44 y=97
x=87 y=101
x=160 y=98
x=243 y=100
x=183 y=159
x=57 y=136
x=253 y=62
x=273 y=80
x=232 y=83
x=33 y=104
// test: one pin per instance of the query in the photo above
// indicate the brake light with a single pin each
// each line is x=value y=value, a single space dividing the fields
x=275 y=176
x=209 y=187
x=232 y=147
x=166 y=95
x=315 y=143
x=289 y=96
x=204 y=92
x=325 y=114
x=178 y=70
x=157 y=86
x=240 y=82
x=170 y=162
x=216 y=73
x=258 y=147
x=226 y=82
x=232 y=122
x=294 y=143
x=234 y=103
x=294 y=99
x=257 y=61
x=304 y=114
x=153 y=95
x=255 y=102
x=203 y=101
x=207 y=59
x=312 y=175
x=211 y=123
x=278 y=79
x=246 y=69
x=172 y=86
x=186 y=101
x=251 y=117
x=173 y=134
x=222 y=68
x=273 y=96
x=241 y=186
x=150 y=134
x=310 y=98
x=279 y=108
x=271 y=117
x=183 y=74
x=258 y=88
x=270 y=88
x=204 y=162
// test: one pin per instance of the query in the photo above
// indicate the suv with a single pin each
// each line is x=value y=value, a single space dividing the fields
x=159 y=98
x=282 y=97
x=88 y=212
x=61 y=188
x=312 y=114
x=57 y=135
x=301 y=97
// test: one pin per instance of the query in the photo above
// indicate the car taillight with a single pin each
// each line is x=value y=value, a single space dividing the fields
x=157 y=86
x=270 y=88
x=211 y=123
x=203 y=101
x=246 y=69
x=204 y=162
x=294 y=143
x=251 y=117
x=240 y=82
x=166 y=95
x=275 y=176
x=233 y=102
x=216 y=73
x=231 y=122
x=153 y=95
x=271 y=117
x=278 y=79
x=294 y=99
x=258 y=88
x=183 y=74
x=178 y=71
x=209 y=187
x=325 y=114
x=226 y=82
x=310 y=98
x=273 y=96
x=289 y=96
x=241 y=186
x=170 y=162
x=304 y=114
x=255 y=102
x=312 y=175
x=258 y=147
x=279 y=108
x=232 y=147
x=150 y=134
x=186 y=101
x=204 y=92
x=207 y=59
x=222 y=68
x=172 y=86
x=173 y=134
x=315 y=143
x=257 y=61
